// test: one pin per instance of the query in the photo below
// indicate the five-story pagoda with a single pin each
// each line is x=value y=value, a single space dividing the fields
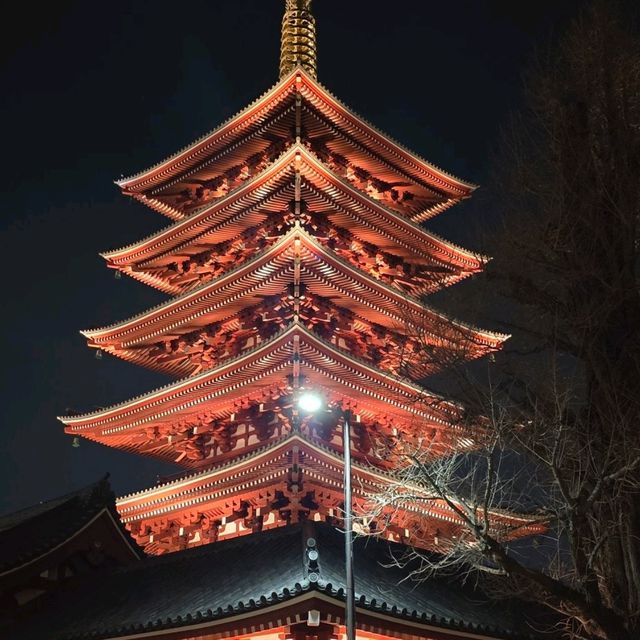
x=295 y=259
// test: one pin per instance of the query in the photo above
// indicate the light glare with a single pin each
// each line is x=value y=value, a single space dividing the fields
x=309 y=402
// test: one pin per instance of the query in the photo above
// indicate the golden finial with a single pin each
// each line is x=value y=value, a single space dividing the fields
x=298 y=46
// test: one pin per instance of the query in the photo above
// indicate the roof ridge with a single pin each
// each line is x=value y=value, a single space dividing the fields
x=205 y=208
x=387 y=137
x=273 y=444
x=219 y=546
x=389 y=210
x=177 y=383
x=191 y=292
x=54 y=502
x=137 y=176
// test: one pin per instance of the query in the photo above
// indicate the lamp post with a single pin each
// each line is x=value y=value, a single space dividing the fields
x=310 y=403
x=348 y=528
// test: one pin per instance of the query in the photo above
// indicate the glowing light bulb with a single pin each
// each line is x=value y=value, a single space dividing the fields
x=309 y=402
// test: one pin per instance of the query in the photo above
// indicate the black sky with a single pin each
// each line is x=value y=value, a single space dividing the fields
x=93 y=91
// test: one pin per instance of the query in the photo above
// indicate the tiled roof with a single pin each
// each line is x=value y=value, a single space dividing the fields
x=32 y=532
x=219 y=580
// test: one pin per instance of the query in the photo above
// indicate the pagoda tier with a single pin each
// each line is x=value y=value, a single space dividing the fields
x=296 y=108
x=249 y=304
x=246 y=401
x=296 y=185
x=291 y=480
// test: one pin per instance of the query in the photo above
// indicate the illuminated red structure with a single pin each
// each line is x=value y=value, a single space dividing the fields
x=295 y=259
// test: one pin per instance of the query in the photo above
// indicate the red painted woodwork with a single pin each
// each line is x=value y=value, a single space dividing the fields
x=295 y=259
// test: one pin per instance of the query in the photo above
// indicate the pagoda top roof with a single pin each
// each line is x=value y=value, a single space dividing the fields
x=265 y=581
x=326 y=365
x=298 y=80
x=253 y=192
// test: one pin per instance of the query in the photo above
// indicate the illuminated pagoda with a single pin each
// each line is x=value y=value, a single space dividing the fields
x=296 y=260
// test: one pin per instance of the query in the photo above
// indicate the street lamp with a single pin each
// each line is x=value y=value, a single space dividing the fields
x=309 y=402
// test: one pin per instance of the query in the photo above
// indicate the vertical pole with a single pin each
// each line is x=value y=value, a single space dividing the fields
x=348 y=530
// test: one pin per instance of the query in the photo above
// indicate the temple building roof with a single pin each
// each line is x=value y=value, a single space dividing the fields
x=248 y=586
x=57 y=541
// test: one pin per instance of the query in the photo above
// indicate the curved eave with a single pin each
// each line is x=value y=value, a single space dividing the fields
x=157 y=205
x=251 y=472
x=419 y=167
x=236 y=275
x=196 y=151
x=376 y=618
x=249 y=462
x=456 y=255
x=227 y=288
x=402 y=230
x=271 y=356
x=200 y=221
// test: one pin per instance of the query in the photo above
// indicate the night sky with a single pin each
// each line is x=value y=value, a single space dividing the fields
x=93 y=91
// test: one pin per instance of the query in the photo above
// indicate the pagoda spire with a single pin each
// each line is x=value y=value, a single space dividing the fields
x=298 y=43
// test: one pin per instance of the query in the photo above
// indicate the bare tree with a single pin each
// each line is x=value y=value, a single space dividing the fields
x=565 y=393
